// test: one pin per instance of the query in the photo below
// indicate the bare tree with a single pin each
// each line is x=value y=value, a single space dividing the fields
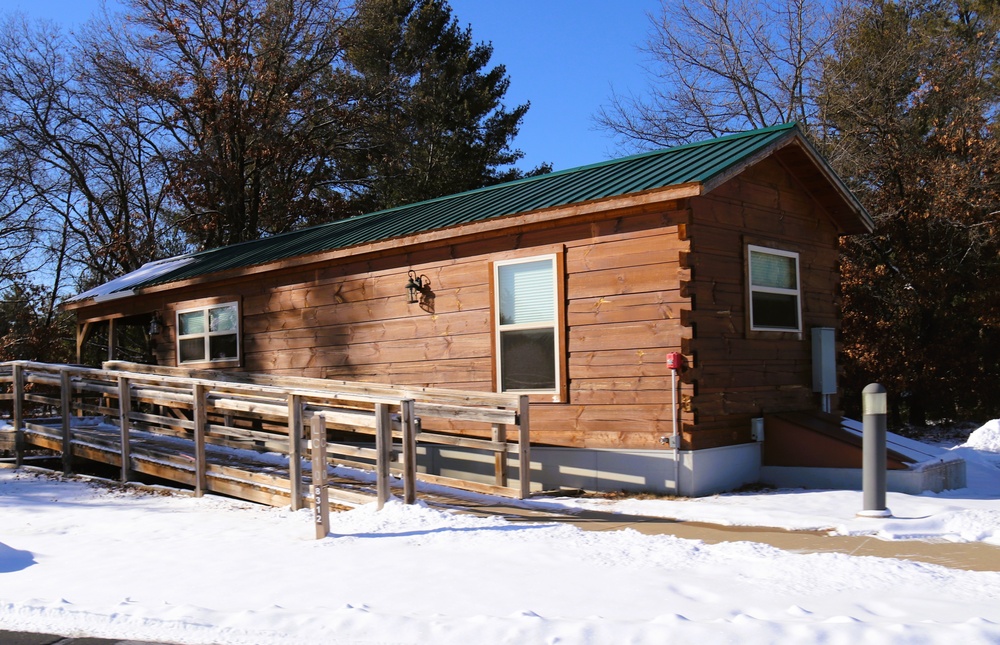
x=81 y=155
x=722 y=66
x=252 y=105
x=19 y=221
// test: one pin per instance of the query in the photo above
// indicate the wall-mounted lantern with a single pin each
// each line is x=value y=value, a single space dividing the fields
x=414 y=287
x=155 y=324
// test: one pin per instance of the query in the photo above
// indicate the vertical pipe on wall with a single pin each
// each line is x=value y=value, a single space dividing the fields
x=675 y=437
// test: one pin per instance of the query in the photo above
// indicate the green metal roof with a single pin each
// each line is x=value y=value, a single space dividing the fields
x=692 y=163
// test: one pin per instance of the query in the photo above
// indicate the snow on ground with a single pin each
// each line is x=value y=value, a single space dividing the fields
x=80 y=559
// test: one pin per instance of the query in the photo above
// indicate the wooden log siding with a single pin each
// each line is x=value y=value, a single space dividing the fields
x=741 y=374
x=351 y=321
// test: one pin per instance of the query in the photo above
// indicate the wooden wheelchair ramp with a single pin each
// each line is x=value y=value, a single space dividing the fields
x=267 y=439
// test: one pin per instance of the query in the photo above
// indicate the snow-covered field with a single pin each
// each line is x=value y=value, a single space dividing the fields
x=80 y=559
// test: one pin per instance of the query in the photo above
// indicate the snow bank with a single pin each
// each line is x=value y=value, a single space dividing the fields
x=986 y=438
x=78 y=559
x=85 y=560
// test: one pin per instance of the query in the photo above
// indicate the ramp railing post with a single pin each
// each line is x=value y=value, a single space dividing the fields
x=65 y=405
x=18 y=412
x=200 y=421
x=524 y=447
x=408 y=421
x=383 y=453
x=500 y=468
x=124 y=411
x=295 y=450
x=321 y=499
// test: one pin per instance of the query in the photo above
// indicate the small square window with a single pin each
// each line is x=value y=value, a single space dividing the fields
x=208 y=334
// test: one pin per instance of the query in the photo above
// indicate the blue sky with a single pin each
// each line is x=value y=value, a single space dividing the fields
x=562 y=55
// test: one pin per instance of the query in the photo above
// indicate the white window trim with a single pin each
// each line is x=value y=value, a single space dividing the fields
x=555 y=392
x=208 y=334
x=797 y=291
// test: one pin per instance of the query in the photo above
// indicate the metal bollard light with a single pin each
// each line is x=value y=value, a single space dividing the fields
x=873 y=408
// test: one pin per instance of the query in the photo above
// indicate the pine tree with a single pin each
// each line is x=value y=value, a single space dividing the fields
x=436 y=123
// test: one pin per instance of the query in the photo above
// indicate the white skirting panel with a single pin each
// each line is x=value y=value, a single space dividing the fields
x=701 y=472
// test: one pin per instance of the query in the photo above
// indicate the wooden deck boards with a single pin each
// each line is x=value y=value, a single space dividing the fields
x=259 y=477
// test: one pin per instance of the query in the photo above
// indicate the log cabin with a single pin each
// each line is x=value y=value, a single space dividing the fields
x=573 y=287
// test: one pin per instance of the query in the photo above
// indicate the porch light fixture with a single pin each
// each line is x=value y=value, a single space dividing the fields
x=414 y=287
x=155 y=324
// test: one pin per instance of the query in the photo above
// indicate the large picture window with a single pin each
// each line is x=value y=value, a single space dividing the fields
x=208 y=333
x=527 y=325
x=774 y=289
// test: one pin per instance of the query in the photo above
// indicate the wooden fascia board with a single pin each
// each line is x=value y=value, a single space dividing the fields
x=452 y=233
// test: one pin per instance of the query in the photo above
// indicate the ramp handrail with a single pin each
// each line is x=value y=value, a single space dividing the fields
x=274 y=413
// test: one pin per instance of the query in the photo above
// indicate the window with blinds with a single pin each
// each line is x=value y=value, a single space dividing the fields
x=527 y=325
x=774 y=289
x=208 y=333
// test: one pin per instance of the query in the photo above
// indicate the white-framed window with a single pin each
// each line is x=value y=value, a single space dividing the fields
x=527 y=325
x=209 y=334
x=774 y=289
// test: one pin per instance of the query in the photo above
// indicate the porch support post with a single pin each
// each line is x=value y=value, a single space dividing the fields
x=500 y=467
x=112 y=339
x=82 y=331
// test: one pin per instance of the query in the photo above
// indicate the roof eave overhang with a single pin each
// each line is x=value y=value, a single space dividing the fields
x=436 y=236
